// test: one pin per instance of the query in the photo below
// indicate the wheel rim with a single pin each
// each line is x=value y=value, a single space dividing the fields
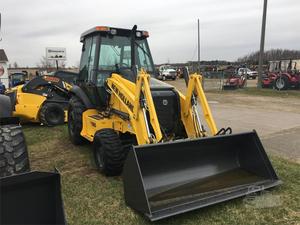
x=280 y=83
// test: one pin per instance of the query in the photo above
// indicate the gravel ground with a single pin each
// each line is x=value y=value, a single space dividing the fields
x=276 y=119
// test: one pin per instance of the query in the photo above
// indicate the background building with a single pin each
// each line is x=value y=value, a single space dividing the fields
x=3 y=68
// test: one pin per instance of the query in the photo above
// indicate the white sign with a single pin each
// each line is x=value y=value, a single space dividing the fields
x=56 y=53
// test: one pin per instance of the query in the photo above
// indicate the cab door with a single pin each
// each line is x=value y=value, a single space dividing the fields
x=88 y=68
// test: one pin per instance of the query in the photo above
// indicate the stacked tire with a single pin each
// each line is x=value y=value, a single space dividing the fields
x=13 y=151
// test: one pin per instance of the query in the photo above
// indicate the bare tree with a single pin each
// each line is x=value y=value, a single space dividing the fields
x=44 y=63
x=62 y=64
x=15 y=65
x=273 y=54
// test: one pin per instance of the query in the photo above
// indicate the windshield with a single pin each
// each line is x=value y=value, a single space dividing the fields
x=115 y=53
x=18 y=76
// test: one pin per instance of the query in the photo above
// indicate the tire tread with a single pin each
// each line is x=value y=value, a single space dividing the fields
x=13 y=151
x=113 y=152
x=78 y=107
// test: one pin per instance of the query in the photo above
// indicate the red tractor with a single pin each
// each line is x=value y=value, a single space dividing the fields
x=282 y=75
x=234 y=81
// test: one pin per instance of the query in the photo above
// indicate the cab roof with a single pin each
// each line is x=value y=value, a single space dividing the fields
x=113 y=31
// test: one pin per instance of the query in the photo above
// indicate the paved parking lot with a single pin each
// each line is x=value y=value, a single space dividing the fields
x=276 y=119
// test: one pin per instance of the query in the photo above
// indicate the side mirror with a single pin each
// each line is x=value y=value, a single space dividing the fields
x=186 y=75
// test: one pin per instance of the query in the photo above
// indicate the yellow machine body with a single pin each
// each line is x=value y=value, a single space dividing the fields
x=27 y=105
x=166 y=171
x=125 y=98
x=174 y=176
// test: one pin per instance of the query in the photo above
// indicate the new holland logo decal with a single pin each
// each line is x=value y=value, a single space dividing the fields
x=122 y=97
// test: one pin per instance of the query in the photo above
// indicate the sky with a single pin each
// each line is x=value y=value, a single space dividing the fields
x=229 y=28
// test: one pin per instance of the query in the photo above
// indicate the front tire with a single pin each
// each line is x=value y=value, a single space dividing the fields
x=52 y=114
x=13 y=151
x=109 y=153
x=75 y=111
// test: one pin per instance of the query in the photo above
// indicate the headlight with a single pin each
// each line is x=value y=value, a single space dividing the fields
x=138 y=34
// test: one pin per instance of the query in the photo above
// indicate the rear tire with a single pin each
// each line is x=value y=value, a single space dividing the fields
x=13 y=151
x=75 y=111
x=109 y=153
x=282 y=83
x=52 y=114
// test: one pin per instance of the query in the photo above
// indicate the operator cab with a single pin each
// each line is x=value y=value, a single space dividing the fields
x=108 y=50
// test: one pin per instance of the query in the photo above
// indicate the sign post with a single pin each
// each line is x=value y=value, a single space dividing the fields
x=56 y=54
x=262 y=45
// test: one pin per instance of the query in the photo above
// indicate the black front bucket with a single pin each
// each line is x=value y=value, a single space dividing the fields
x=162 y=180
x=31 y=198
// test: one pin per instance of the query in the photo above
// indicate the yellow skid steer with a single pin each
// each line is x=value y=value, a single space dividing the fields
x=153 y=134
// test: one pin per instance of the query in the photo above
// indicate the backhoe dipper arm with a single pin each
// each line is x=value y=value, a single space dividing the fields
x=194 y=85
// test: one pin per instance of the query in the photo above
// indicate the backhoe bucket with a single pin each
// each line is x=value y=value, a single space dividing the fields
x=162 y=180
x=31 y=198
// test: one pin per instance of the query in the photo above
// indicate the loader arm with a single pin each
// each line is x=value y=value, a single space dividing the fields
x=135 y=100
x=194 y=86
x=143 y=86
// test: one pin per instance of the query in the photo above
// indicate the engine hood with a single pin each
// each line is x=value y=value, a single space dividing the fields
x=159 y=85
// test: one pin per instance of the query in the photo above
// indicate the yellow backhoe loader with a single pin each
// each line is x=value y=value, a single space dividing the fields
x=43 y=99
x=154 y=135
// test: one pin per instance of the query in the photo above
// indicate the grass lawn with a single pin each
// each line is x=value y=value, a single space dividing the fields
x=91 y=198
x=261 y=92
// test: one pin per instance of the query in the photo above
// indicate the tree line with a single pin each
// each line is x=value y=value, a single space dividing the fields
x=270 y=55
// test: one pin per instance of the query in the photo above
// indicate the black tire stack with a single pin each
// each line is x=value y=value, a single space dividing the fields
x=13 y=151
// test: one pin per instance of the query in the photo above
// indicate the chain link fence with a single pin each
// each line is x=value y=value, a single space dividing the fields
x=214 y=80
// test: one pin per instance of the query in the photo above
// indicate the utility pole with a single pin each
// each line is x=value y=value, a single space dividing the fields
x=262 y=44
x=203 y=80
x=198 y=46
x=0 y=28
